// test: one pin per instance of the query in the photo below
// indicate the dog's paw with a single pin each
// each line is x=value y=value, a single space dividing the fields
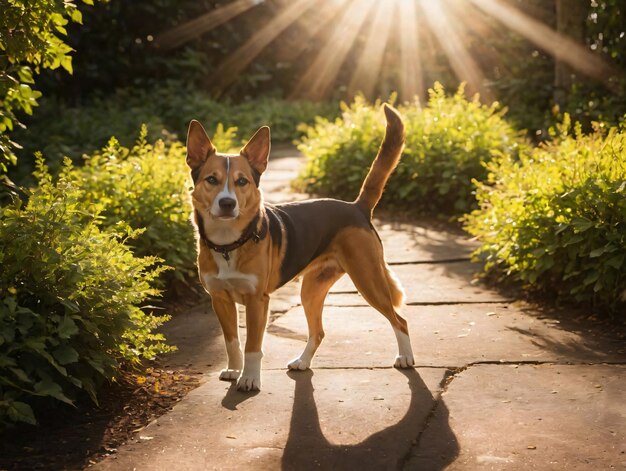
x=404 y=361
x=249 y=383
x=299 y=364
x=229 y=375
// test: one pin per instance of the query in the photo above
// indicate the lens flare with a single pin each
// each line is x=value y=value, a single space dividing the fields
x=320 y=75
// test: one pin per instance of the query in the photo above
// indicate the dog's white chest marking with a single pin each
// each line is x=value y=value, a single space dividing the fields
x=228 y=278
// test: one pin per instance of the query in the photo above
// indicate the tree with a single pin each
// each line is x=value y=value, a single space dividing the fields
x=571 y=16
x=31 y=34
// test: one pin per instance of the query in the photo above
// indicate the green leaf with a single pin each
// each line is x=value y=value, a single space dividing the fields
x=67 y=327
x=76 y=16
x=592 y=277
x=21 y=412
x=597 y=252
x=582 y=224
x=48 y=387
x=21 y=375
x=66 y=63
x=65 y=355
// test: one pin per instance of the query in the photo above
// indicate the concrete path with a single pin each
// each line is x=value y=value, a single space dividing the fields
x=499 y=384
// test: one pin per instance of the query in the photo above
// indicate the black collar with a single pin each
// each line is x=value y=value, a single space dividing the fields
x=250 y=232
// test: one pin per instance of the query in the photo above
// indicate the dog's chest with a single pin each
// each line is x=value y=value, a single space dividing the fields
x=229 y=278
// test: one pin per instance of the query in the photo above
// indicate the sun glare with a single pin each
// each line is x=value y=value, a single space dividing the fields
x=446 y=32
x=243 y=56
x=319 y=77
x=575 y=55
x=370 y=29
x=370 y=61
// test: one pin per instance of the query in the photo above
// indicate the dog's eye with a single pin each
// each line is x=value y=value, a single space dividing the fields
x=241 y=181
x=211 y=180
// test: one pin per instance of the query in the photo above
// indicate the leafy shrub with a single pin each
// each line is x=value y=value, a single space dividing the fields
x=146 y=187
x=447 y=144
x=60 y=130
x=30 y=40
x=556 y=218
x=70 y=297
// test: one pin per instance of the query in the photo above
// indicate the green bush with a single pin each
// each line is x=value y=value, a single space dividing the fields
x=447 y=144
x=59 y=130
x=146 y=187
x=31 y=39
x=70 y=297
x=556 y=218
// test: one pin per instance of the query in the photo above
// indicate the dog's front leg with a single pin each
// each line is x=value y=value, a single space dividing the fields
x=256 y=320
x=226 y=311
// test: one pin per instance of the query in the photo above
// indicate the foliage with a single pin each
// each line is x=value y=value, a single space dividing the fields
x=59 y=130
x=556 y=218
x=70 y=297
x=447 y=144
x=146 y=187
x=30 y=40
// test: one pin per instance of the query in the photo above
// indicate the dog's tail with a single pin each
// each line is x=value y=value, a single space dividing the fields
x=384 y=163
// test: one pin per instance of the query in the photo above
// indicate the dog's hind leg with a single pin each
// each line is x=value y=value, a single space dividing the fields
x=361 y=256
x=226 y=312
x=315 y=286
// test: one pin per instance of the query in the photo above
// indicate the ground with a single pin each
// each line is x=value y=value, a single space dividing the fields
x=69 y=438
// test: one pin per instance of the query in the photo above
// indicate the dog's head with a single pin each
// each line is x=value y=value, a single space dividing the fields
x=226 y=186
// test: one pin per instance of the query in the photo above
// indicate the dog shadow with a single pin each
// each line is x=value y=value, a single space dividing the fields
x=390 y=448
x=233 y=397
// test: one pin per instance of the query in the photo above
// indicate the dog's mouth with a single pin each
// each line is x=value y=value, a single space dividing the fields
x=225 y=216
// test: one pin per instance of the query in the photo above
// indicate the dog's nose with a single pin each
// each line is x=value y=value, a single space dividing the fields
x=227 y=204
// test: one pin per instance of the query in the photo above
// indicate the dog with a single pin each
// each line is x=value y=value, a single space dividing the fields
x=247 y=249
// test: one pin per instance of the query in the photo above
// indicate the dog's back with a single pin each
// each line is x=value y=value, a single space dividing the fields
x=307 y=228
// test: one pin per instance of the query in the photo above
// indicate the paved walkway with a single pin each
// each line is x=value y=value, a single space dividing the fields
x=499 y=384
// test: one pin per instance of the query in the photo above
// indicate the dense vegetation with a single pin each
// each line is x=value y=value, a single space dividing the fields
x=555 y=218
x=71 y=298
x=60 y=130
x=448 y=141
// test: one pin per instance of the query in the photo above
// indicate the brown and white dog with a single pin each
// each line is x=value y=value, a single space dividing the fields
x=247 y=248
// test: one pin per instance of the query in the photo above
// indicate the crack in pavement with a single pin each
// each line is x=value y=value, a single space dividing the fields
x=431 y=262
x=448 y=377
x=456 y=370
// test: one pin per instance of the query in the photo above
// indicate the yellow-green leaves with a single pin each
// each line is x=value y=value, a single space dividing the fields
x=555 y=218
x=448 y=142
x=31 y=38
x=70 y=297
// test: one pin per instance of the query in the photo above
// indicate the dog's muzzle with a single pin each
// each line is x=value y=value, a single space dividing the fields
x=227 y=207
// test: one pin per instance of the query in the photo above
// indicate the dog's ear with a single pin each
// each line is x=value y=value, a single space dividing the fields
x=199 y=146
x=257 y=150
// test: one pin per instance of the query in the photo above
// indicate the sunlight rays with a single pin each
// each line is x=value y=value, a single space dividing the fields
x=325 y=12
x=462 y=63
x=179 y=35
x=370 y=61
x=403 y=41
x=242 y=57
x=574 y=54
x=320 y=75
x=411 y=81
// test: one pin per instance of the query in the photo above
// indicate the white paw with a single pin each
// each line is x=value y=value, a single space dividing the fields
x=229 y=374
x=299 y=364
x=404 y=361
x=249 y=382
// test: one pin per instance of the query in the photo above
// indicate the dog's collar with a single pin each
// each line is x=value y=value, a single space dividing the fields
x=250 y=232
